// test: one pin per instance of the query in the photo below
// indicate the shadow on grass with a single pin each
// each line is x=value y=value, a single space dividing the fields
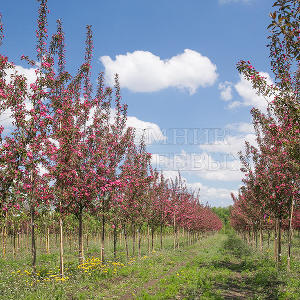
x=249 y=277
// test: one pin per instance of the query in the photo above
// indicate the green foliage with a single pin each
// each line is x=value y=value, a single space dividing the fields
x=224 y=214
x=236 y=246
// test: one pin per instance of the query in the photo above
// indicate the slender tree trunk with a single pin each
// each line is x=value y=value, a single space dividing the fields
x=4 y=235
x=61 y=247
x=261 y=238
x=139 y=241
x=268 y=238
x=152 y=239
x=14 y=242
x=102 y=238
x=33 y=244
x=115 y=242
x=133 y=239
x=148 y=238
x=256 y=239
x=47 y=239
x=174 y=226
x=80 y=238
x=290 y=236
x=275 y=240
x=279 y=241
x=161 y=236
x=18 y=240
x=126 y=241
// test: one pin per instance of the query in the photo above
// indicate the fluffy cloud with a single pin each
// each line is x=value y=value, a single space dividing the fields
x=245 y=91
x=201 y=165
x=211 y=195
x=241 y=127
x=226 y=90
x=28 y=73
x=248 y=94
x=152 y=132
x=231 y=144
x=142 y=71
x=6 y=115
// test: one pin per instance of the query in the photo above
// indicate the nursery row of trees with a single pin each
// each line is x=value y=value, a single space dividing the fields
x=269 y=197
x=70 y=151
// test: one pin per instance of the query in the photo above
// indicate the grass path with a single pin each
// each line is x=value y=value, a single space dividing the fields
x=225 y=268
x=216 y=267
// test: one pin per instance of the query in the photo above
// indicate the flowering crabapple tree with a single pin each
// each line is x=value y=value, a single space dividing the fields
x=277 y=171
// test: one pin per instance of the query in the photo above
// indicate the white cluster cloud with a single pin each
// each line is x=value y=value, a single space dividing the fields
x=226 y=90
x=152 y=132
x=201 y=165
x=231 y=144
x=241 y=127
x=211 y=195
x=19 y=70
x=6 y=119
x=246 y=92
x=142 y=71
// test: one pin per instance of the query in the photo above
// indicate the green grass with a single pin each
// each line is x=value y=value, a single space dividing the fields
x=216 y=267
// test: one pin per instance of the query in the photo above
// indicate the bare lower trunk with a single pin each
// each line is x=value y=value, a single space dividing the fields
x=80 y=238
x=133 y=240
x=174 y=226
x=161 y=237
x=275 y=240
x=290 y=236
x=148 y=238
x=61 y=247
x=102 y=238
x=139 y=241
x=126 y=242
x=279 y=241
x=152 y=239
x=4 y=235
x=14 y=243
x=115 y=242
x=33 y=244
x=261 y=238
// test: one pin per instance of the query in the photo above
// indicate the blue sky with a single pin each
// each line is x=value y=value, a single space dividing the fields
x=176 y=60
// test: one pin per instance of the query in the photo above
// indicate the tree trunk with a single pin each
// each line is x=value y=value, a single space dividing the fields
x=290 y=236
x=47 y=239
x=126 y=241
x=174 y=226
x=139 y=241
x=102 y=238
x=80 y=238
x=161 y=236
x=279 y=241
x=33 y=244
x=115 y=242
x=14 y=242
x=152 y=239
x=275 y=240
x=133 y=240
x=261 y=238
x=61 y=247
x=4 y=235
x=148 y=238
